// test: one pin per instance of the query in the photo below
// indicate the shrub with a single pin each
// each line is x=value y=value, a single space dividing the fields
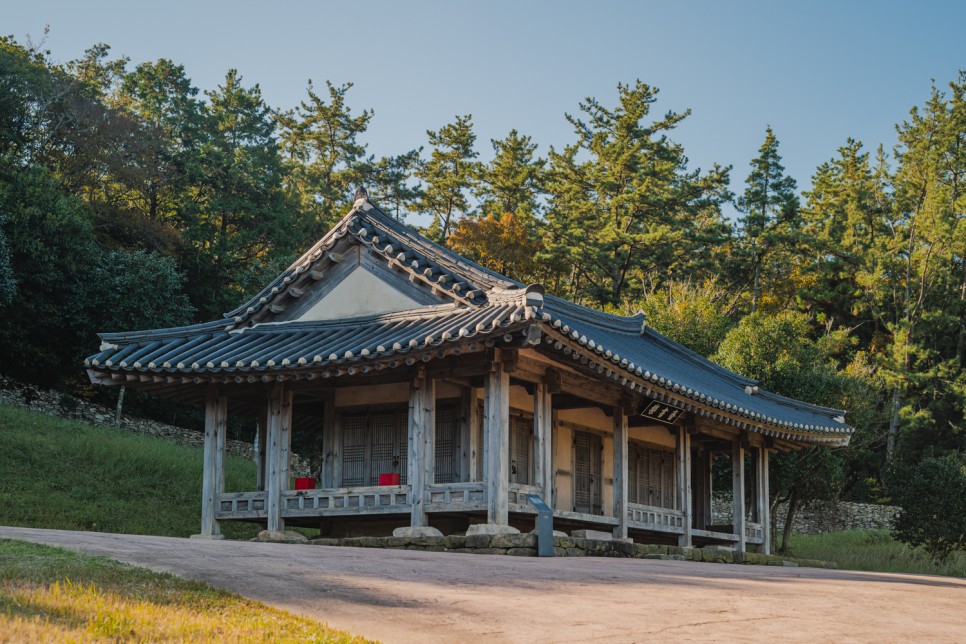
x=932 y=495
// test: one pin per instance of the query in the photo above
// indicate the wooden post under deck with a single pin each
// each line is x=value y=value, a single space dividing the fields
x=738 y=493
x=543 y=441
x=422 y=430
x=497 y=439
x=620 y=472
x=213 y=475
x=278 y=439
x=683 y=449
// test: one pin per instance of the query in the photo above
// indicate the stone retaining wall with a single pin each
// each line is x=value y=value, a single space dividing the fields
x=525 y=545
x=63 y=405
x=820 y=517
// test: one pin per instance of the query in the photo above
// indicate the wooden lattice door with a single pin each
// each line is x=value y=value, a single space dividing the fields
x=521 y=442
x=587 y=473
x=447 y=447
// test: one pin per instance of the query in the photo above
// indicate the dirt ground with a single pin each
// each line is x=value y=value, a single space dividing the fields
x=404 y=596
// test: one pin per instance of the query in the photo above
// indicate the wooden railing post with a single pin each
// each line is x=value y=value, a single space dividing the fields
x=684 y=482
x=738 y=493
x=422 y=431
x=620 y=472
x=497 y=439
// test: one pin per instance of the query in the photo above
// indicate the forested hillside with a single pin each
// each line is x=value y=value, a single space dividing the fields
x=129 y=199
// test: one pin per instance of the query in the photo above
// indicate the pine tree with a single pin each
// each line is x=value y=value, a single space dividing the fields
x=326 y=161
x=770 y=223
x=449 y=174
x=624 y=208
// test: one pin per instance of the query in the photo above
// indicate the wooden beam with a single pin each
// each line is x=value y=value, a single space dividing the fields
x=497 y=435
x=620 y=472
x=738 y=493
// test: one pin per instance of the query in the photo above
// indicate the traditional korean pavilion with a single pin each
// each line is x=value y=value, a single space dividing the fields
x=463 y=392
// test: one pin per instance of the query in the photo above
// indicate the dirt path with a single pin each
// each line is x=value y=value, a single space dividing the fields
x=403 y=596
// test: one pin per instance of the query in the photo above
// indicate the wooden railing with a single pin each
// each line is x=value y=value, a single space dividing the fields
x=456 y=496
x=518 y=500
x=349 y=500
x=241 y=505
x=754 y=532
x=649 y=517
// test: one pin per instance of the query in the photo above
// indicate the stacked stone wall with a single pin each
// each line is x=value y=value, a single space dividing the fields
x=820 y=517
x=64 y=405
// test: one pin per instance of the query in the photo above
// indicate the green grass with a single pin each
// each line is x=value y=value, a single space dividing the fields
x=68 y=475
x=873 y=550
x=54 y=595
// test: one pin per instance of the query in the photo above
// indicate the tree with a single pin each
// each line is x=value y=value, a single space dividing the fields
x=770 y=220
x=43 y=333
x=697 y=316
x=8 y=285
x=513 y=181
x=779 y=351
x=241 y=217
x=505 y=243
x=389 y=181
x=448 y=175
x=932 y=498
x=324 y=157
x=624 y=208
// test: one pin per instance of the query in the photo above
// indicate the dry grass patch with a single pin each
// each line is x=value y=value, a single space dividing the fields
x=53 y=595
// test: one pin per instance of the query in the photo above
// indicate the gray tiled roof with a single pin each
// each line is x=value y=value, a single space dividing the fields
x=484 y=302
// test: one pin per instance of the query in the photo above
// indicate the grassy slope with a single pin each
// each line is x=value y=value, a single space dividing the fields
x=873 y=550
x=53 y=595
x=63 y=474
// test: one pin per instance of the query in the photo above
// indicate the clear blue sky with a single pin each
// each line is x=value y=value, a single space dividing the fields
x=818 y=72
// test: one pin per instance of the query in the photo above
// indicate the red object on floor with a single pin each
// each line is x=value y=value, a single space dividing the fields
x=305 y=483
x=389 y=479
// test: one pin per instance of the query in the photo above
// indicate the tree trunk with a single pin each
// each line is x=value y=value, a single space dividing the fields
x=789 y=520
x=893 y=432
x=120 y=407
x=755 y=288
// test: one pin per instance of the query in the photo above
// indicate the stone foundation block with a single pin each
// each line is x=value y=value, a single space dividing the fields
x=477 y=540
x=522 y=552
x=597 y=535
x=454 y=541
x=281 y=536
x=490 y=528
x=488 y=551
x=325 y=541
x=417 y=531
x=513 y=541
x=562 y=542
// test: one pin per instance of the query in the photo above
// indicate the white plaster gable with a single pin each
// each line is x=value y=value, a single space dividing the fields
x=359 y=293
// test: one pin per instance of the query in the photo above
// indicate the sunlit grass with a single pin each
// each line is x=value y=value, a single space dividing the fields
x=873 y=550
x=53 y=595
x=69 y=475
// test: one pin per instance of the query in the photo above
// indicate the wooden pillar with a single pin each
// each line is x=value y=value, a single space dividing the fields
x=476 y=437
x=543 y=441
x=497 y=436
x=213 y=473
x=620 y=472
x=766 y=504
x=330 y=448
x=738 y=493
x=422 y=431
x=683 y=452
x=701 y=483
x=278 y=443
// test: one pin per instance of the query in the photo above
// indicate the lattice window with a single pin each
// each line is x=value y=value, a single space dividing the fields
x=446 y=450
x=650 y=476
x=587 y=473
x=521 y=441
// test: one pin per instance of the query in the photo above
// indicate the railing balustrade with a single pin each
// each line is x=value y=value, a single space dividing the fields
x=350 y=500
x=457 y=496
x=241 y=505
x=518 y=500
x=754 y=532
x=649 y=517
